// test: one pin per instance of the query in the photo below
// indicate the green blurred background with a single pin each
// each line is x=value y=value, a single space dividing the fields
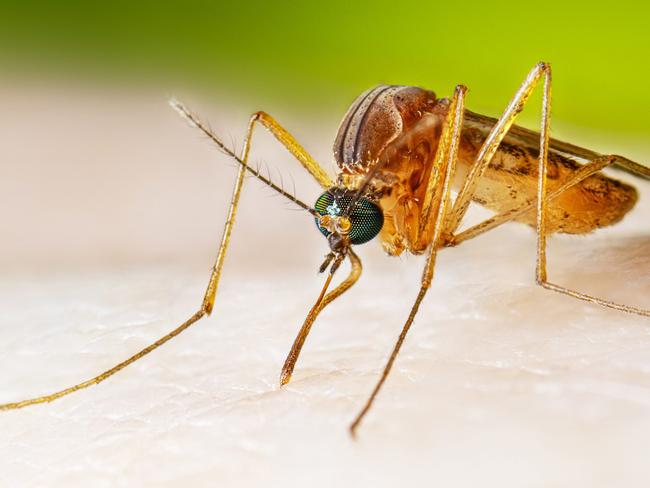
x=313 y=55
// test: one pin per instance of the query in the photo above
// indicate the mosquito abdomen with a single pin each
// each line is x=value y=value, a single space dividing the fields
x=511 y=181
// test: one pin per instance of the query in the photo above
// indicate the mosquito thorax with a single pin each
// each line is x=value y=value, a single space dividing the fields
x=360 y=224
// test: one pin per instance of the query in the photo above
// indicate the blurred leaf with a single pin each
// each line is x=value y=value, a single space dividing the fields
x=315 y=52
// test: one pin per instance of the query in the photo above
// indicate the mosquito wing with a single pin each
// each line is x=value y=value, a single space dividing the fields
x=530 y=139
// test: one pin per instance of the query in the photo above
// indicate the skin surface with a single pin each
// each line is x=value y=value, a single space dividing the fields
x=111 y=223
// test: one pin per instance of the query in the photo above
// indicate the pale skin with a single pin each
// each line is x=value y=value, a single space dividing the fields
x=440 y=217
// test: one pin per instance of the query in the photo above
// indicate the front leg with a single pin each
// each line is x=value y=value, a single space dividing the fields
x=440 y=196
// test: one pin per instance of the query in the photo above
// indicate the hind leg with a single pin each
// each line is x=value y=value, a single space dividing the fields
x=542 y=203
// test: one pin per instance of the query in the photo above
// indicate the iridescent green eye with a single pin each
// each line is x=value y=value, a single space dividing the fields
x=366 y=217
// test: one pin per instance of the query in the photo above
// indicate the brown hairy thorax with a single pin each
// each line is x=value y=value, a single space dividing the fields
x=398 y=128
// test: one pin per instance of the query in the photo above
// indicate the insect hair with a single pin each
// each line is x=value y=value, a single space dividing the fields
x=365 y=184
x=194 y=121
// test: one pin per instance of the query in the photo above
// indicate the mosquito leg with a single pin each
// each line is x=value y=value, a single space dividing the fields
x=542 y=201
x=294 y=147
x=106 y=374
x=321 y=177
x=319 y=174
x=205 y=309
x=583 y=173
x=491 y=144
x=426 y=282
x=448 y=160
x=208 y=301
x=445 y=154
x=294 y=353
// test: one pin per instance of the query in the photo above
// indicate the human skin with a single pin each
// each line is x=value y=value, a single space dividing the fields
x=112 y=211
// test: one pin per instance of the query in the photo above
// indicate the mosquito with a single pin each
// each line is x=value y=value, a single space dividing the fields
x=400 y=151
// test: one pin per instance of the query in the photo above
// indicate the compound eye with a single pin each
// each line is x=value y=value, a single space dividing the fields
x=365 y=220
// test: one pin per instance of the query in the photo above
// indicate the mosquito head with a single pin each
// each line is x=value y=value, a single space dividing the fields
x=345 y=226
